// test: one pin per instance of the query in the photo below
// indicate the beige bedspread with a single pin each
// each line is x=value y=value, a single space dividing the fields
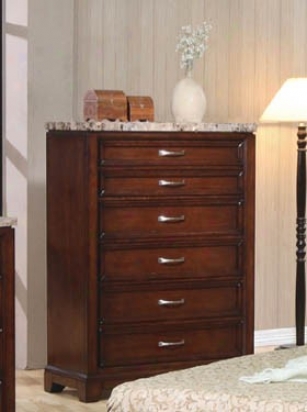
x=215 y=387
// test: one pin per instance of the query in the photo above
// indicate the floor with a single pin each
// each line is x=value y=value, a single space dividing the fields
x=31 y=397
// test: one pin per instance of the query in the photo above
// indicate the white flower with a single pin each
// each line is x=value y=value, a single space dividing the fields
x=192 y=43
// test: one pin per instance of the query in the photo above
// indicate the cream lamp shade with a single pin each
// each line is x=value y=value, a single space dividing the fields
x=289 y=104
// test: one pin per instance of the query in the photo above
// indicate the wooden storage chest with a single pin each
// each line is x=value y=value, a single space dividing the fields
x=7 y=319
x=150 y=254
x=140 y=108
x=105 y=104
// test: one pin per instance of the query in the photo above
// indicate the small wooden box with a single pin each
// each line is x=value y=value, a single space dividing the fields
x=105 y=104
x=140 y=108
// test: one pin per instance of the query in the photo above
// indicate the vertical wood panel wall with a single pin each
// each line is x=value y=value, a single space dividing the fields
x=254 y=46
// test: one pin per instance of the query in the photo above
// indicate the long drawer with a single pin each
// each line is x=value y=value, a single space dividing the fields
x=184 y=342
x=3 y=280
x=218 y=218
x=211 y=153
x=2 y=354
x=169 y=304
x=170 y=184
x=204 y=261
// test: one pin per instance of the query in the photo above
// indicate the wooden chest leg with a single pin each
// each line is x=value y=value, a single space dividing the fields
x=87 y=390
x=50 y=385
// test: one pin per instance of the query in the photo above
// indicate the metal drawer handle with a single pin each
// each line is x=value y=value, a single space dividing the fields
x=165 y=153
x=171 y=183
x=165 y=261
x=171 y=219
x=162 y=302
x=162 y=344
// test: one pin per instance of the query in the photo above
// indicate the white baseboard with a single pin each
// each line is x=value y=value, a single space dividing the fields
x=275 y=337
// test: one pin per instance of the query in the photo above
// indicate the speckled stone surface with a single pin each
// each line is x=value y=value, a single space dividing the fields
x=7 y=221
x=106 y=125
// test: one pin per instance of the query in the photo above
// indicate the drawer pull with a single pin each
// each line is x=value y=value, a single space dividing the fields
x=162 y=302
x=162 y=344
x=171 y=183
x=171 y=219
x=169 y=153
x=166 y=261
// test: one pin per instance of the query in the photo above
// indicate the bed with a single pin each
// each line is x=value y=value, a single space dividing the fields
x=215 y=387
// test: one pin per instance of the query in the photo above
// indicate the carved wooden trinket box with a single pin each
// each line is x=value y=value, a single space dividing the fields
x=105 y=104
x=140 y=108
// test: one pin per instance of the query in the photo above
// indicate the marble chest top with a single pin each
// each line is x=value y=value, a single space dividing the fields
x=106 y=125
x=7 y=221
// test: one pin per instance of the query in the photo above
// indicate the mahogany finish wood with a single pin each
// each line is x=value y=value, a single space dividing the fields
x=7 y=320
x=300 y=294
x=150 y=246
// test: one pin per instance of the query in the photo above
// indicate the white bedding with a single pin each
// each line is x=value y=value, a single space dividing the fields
x=215 y=387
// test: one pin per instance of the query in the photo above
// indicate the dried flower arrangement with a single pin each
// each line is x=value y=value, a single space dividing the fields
x=192 y=44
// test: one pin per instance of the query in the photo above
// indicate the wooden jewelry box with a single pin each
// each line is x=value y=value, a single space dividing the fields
x=140 y=108
x=105 y=104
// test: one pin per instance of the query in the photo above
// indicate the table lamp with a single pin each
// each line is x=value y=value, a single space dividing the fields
x=290 y=105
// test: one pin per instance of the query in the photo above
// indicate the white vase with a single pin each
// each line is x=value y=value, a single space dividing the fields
x=188 y=101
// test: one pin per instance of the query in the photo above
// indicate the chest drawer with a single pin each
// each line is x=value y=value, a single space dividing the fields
x=154 y=152
x=171 y=304
x=131 y=221
x=2 y=353
x=171 y=185
x=171 y=343
x=204 y=262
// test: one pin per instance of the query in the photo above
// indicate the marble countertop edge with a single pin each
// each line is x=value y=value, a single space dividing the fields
x=107 y=125
x=7 y=221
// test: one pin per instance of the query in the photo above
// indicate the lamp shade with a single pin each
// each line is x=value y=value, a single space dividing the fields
x=289 y=104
